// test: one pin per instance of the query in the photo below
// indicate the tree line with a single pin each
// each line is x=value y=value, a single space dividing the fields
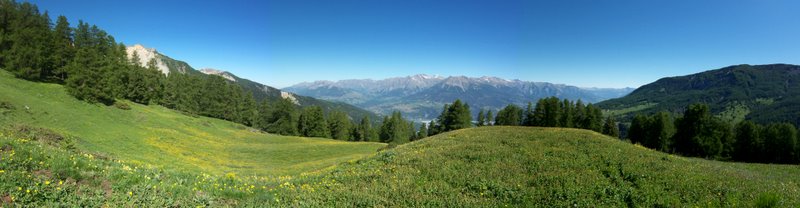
x=547 y=112
x=697 y=133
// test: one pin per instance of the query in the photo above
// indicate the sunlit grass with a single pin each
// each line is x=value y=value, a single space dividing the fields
x=165 y=138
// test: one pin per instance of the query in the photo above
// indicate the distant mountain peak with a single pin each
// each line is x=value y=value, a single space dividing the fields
x=145 y=55
x=421 y=96
x=221 y=73
x=425 y=76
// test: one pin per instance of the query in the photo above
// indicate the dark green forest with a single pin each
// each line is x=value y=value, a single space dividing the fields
x=761 y=93
x=700 y=134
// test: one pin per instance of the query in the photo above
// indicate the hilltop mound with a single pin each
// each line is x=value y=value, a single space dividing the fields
x=548 y=167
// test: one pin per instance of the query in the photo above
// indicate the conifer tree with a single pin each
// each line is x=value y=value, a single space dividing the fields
x=339 y=125
x=312 y=123
x=282 y=118
x=509 y=116
x=481 y=118
x=423 y=131
x=489 y=118
x=610 y=127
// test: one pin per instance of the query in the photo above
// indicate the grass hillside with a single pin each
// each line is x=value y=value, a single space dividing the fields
x=762 y=93
x=542 y=167
x=166 y=138
x=479 y=167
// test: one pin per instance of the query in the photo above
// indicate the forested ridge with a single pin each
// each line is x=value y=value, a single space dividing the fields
x=760 y=93
x=95 y=68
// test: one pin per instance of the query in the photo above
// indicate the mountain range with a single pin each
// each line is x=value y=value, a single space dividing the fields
x=421 y=97
x=260 y=91
x=762 y=93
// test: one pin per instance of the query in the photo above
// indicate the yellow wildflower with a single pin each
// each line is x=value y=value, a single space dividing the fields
x=60 y=182
x=46 y=182
x=130 y=193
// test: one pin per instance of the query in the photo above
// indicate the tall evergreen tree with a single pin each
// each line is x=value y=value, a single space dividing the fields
x=455 y=116
x=365 y=130
x=481 y=118
x=489 y=118
x=780 y=139
x=511 y=115
x=659 y=132
x=700 y=134
x=63 y=51
x=312 y=123
x=610 y=127
x=530 y=115
x=283 y=118
x=395 y=129
x=339 y=125
x=423 y=131
x=567 y=111
x=749 y=145
x=638 y=129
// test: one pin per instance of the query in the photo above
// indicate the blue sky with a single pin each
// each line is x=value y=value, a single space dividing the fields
x=615 y=43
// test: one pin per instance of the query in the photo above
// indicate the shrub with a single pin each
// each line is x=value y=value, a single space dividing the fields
x=121 y=105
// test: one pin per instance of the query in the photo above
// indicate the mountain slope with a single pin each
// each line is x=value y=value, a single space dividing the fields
x=763 y=93
x=165 y=138
x=421 y=97
x=541 y=167
x=260 y=91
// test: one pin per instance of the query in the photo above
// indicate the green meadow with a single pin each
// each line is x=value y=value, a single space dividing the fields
x=165 y=138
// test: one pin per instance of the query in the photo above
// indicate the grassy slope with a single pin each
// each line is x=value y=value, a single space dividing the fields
x=480 y=167
x=165 y=138
x=531 y=167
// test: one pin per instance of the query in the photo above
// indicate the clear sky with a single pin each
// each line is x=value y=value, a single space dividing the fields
x=591 y=43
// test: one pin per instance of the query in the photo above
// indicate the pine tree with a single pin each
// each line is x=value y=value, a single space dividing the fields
x=63 y=52
x=700 y=134
x=282 y=118
x=567 y=111
x=365 y=130
x=395 y=129
x=637 y=131
x=312 y=123
x=246 y=108
x=423 y=131
x=481 y=118
x=489 y=118
x=455 y=116
x=749 y=145
x=529 y=117
x=610 y=127
x=339 y=125
x=780 y=139
x=509 y=116
x=29 y=56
